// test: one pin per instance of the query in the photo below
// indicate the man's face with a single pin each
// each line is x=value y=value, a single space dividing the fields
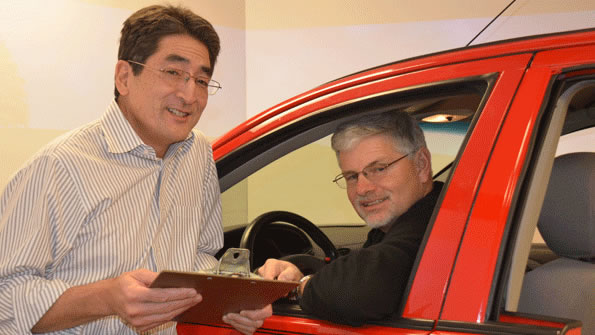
x=380 y=202
x=159 y=112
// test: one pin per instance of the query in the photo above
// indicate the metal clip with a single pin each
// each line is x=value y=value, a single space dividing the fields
x=235 y=262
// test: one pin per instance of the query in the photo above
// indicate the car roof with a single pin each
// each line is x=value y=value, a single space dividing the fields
x=532 y=44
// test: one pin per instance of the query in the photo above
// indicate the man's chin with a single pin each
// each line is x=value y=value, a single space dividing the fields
x=375 y=219
x=376 y=223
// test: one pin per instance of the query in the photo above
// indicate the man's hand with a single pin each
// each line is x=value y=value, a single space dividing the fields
x=142 y=307
x=280 y=270
x=127 y=296
x=247 y=322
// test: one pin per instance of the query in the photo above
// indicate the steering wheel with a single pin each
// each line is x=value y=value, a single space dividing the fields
x=306 y=263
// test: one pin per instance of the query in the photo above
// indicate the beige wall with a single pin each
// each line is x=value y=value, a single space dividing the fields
x=57 y=60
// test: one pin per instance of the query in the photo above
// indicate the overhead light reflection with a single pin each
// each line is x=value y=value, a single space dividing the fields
x=444 y=118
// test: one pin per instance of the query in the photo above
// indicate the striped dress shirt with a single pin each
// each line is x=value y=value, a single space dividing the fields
x=96 y=203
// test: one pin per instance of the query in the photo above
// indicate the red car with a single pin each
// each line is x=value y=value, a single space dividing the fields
x=495 y=118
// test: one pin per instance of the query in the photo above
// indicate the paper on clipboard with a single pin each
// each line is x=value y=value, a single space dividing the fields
x=223 y=293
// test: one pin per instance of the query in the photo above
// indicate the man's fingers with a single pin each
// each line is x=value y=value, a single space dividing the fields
x=248 y=321
x=144 y=276
x=258 y=314
x=290 y=274
x=242 y=324
x=276 y=269
x=156 y=314
x=163 y=295
x=165 y=306
x=145 y=308
x=156 y=319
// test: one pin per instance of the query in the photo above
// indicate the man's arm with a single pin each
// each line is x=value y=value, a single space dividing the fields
x=127 y=296
x=39 y=216
x=364 y=285
x=368 y=284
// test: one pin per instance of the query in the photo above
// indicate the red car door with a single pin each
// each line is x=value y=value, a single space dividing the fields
x=480 y=269
x=431 y=277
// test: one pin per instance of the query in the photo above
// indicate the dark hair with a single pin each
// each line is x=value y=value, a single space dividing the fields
x=400 y=126
x=144 y=29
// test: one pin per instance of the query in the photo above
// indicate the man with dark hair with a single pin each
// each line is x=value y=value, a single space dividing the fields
x=89 y=221
x=387 y=173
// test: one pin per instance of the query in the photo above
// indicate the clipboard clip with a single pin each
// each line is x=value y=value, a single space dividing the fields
x=235 y=262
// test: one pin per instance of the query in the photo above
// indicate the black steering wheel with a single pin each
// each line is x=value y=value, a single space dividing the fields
x=306 y=263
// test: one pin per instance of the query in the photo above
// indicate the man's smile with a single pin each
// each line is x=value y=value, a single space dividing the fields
x=370 y=203
x=177 y=112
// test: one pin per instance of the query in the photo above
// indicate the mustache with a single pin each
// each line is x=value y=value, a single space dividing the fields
x=371 y=197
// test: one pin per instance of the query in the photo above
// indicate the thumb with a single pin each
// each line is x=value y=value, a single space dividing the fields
x=144 y=276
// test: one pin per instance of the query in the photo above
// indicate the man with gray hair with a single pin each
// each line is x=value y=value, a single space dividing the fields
x=387 y=173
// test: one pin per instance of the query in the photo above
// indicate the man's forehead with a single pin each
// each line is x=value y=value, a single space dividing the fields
x=373 y=143
x=184 y=50
x=177 y=59
x=366 y=151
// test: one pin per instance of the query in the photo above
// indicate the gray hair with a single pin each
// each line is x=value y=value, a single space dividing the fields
x=398 y=125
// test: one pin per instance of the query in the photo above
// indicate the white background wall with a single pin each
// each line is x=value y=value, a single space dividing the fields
x=293 y=46
x=57 y=57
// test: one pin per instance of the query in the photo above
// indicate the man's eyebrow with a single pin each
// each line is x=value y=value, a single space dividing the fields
x=176 y=58
x=367 y=166
x=179 y=59
x=376 y=162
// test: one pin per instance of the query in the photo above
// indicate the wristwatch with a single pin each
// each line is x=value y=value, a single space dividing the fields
x=295 y=293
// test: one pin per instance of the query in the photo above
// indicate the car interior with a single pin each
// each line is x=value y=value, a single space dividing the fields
x=277 y=192
x=560 y=271
x=279 y=171
x=564 y=285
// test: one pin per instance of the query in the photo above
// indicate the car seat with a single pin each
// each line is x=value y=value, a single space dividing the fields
x=565 y=287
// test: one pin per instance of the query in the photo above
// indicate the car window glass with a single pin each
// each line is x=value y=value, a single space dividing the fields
x=301 y=181
x=578 y=130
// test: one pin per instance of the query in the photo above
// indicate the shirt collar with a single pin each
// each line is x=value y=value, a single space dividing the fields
x=121 y=137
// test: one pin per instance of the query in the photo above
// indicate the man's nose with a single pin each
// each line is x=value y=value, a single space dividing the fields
x=189 y=92
x=364 y=185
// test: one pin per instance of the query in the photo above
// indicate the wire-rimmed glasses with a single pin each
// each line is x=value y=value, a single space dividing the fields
x=179 y=78
x=374 y=173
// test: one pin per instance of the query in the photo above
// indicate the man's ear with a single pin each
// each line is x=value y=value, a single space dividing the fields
x=122 y=77
x=423 y=164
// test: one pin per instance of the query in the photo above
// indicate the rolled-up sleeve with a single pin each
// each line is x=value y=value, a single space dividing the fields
x=35 y=209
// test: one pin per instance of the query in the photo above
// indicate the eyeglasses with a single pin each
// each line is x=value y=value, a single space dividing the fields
x=179 y=78
x=373 y=173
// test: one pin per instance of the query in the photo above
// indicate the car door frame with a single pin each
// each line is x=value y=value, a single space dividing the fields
x=480 y=276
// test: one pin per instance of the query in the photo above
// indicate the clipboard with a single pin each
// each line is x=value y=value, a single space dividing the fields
x=223 y=292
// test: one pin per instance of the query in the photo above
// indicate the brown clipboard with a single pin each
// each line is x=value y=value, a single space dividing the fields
x=223 y=294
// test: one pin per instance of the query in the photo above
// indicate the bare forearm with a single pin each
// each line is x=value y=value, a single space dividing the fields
x=128 y=296
x=77 y=305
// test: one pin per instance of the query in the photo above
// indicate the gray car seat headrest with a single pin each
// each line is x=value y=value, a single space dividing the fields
x=567 y=221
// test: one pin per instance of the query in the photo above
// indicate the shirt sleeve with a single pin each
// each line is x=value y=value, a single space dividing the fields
x=368 y=284
x=34 y=207
x=211 y=237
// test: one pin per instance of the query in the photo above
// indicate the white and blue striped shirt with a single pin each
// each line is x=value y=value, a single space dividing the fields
x=96 y=203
